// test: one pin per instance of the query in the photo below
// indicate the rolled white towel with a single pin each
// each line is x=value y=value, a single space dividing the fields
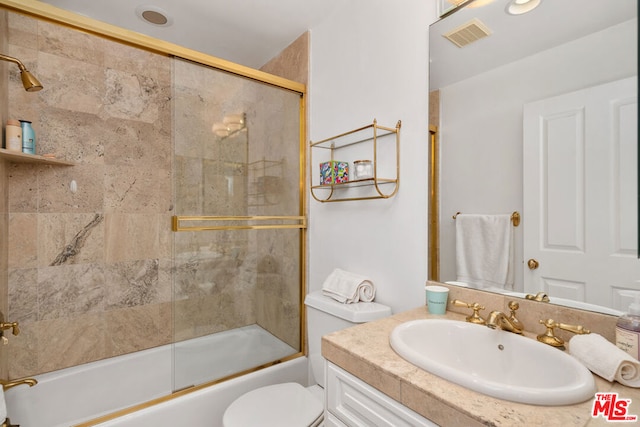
x=348 y=287
x=605 y=359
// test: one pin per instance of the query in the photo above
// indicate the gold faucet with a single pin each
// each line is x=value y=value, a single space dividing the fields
x=7 y=423
x=548 y=337
x=540 y=296
x=508 y=323
x=475 y=317
x=6 y=385
x=15 y=329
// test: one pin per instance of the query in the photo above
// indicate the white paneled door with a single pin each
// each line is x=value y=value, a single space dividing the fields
x=580 y=213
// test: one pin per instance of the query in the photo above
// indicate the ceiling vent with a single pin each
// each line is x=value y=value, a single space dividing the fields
x=468 y=33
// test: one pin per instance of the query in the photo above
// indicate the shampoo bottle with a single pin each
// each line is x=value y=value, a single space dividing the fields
x=28 y=137
x=628 y=329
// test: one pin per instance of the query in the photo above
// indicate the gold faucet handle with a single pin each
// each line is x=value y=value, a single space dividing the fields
x=576 y=329
x=540 y=296
x=513 y=306
x=548 y=337
x=475 y=317
x=15 y=329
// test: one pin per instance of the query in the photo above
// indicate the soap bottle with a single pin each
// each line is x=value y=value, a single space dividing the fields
x=28 y=137
x=628 y=329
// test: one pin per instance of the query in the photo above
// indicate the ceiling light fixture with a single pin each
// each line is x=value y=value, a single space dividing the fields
x=154 y=15
x=518 y=7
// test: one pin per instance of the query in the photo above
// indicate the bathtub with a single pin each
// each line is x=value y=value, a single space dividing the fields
x=75 y=395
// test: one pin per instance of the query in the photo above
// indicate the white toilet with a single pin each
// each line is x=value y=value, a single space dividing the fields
x=290 y=404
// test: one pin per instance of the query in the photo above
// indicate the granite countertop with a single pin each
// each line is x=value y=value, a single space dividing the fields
x=364 y=351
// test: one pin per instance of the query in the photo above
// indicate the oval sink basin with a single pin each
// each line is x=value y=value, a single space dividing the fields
x=494 y=362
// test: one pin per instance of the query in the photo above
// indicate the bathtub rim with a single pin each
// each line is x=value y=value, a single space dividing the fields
x=182 y=392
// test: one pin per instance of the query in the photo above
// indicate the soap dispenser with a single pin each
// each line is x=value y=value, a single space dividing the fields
x=628 y=328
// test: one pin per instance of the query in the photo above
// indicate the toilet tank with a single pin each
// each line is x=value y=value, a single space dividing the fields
x=326 y=315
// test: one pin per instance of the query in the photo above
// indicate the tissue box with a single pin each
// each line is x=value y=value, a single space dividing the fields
x=334 y=172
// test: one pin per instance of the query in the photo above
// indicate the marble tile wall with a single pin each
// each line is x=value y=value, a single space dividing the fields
x=90 y=272
x=279 y=265
x=293 y=62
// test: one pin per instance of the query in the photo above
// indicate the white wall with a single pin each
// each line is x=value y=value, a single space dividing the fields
x=370 y=60
x=481 y=126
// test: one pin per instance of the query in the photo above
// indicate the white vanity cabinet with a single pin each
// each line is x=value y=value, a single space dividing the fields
x=350 y=402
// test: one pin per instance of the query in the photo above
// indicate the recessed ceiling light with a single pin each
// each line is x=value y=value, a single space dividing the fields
x=154 y=15
x=518 y=7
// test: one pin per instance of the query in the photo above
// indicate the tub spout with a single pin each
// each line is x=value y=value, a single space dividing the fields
x=6 y=385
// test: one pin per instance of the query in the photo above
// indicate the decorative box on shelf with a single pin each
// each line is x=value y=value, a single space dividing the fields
x=334 y=172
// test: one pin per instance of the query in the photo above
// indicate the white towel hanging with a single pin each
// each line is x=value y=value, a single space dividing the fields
x=484 y=250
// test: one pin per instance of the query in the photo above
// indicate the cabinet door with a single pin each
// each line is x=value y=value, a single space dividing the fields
x=357 y=404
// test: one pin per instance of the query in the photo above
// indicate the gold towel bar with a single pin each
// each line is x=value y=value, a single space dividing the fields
x=515 y=218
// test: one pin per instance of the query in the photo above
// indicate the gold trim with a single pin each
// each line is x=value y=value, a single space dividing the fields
x=86 y=24
x=301 y=222
x=179 y=393
x=434 y=202
x=302 y=146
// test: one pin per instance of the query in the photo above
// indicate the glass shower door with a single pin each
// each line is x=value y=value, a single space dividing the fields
x=239 y=224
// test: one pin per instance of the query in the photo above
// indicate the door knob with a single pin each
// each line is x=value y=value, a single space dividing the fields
x=533 y=264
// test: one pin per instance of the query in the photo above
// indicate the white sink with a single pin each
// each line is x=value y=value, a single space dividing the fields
x=494 y=362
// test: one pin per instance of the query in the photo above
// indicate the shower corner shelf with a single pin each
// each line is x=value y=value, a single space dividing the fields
x=17 y=157
x=339 y=147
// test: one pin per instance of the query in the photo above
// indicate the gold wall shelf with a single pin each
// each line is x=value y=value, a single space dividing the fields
x=18 y=157
x=339 y=147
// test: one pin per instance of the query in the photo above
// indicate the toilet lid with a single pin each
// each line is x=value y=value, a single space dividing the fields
x=280 y=405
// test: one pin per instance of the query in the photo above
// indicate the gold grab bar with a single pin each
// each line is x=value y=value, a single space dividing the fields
x=515 y=217
x=205 y=223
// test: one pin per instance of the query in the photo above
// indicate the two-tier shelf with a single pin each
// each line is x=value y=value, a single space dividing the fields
x=373 y=142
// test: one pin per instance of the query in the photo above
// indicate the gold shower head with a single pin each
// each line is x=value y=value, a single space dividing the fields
x=30 y=83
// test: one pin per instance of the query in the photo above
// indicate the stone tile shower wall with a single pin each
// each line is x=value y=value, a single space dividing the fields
x=90 y=273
